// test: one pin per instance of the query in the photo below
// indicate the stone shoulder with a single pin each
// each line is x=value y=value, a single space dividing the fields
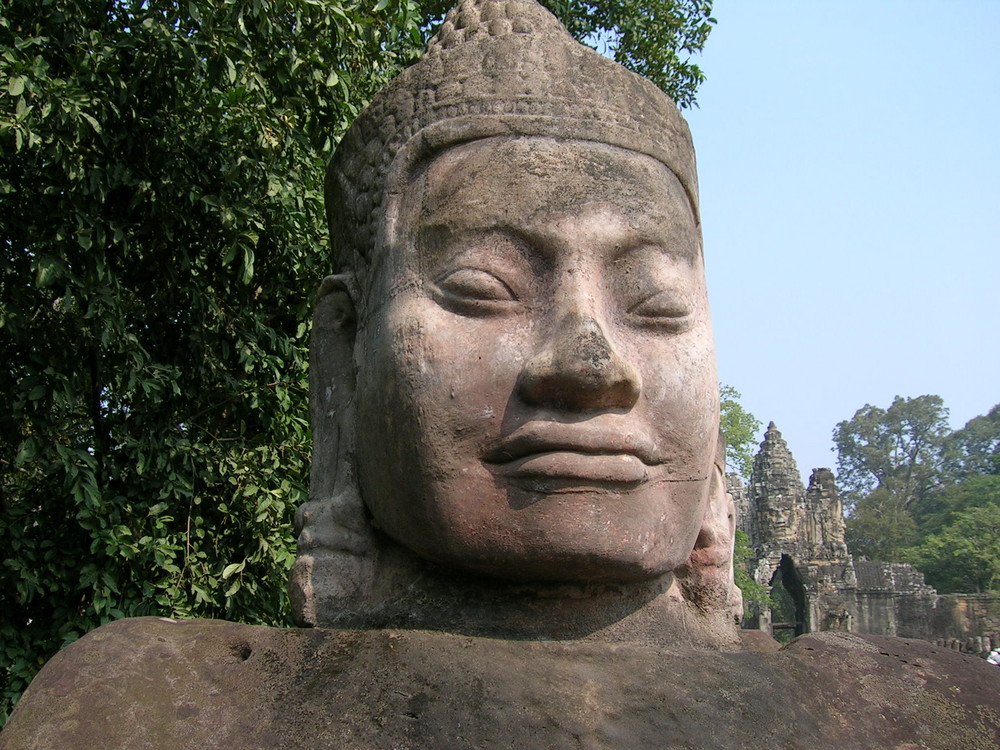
x=152 y=683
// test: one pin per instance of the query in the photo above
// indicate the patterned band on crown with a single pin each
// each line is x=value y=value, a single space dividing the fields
x=495 y=68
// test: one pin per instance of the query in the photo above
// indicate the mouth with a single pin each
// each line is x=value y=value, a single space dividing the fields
x=549 y=454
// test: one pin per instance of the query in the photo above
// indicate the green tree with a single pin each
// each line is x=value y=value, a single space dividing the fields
x=740 y=429
x=941 y=507
x=965 y=555
x=161 y=176
x=912 y=489
x=753 y=592
x=898 y=450
x=975 y=449
x=161 y=223
x=880 y=528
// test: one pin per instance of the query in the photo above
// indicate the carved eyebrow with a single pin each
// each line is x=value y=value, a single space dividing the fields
x=672 y=250
x=452 y=243
x=540 y=244
x=498 y=251
x=616 y=247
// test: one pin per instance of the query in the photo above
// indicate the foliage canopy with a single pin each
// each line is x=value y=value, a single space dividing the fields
x=162 y=219
x=740 y=429
x=922 y=494
x=753 y=593
x=897 y=450
x=880 y=528
x=965 y=554
x=975 y=449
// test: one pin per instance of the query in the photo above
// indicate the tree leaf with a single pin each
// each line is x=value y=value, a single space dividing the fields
x=93 y=123
x=48 y=269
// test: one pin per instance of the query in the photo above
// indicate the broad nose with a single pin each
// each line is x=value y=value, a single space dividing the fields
x=579 y=370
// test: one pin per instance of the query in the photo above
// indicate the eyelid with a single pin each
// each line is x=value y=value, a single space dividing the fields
x=473 y=292
x=664 y=307
x=477 y=284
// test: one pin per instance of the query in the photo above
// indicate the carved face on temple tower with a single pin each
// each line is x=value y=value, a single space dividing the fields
x=513 y=371
x=536 y=387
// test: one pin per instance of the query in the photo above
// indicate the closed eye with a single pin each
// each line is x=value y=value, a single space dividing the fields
x=663 y=308
x=473 y=291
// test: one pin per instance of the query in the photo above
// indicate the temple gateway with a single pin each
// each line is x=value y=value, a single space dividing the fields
x=797 y=540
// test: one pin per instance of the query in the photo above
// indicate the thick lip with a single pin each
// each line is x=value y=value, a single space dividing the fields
x=537 y=437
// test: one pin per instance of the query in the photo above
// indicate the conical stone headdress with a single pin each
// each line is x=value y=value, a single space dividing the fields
x=495 y=68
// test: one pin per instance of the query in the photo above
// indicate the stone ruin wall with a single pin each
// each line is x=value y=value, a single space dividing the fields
x=965 y=622
x=803 y=527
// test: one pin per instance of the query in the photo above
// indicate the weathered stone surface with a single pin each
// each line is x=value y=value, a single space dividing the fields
x=965 y=616
x=784 y=517
x=799 y=532
x=151 y=683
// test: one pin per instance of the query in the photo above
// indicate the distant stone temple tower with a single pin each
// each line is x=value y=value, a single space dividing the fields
x=797 y=540
x=797 y=536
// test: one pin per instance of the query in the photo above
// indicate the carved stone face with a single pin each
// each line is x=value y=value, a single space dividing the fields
x=536 y=390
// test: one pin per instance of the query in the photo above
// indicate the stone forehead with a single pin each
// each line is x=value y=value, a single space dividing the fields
x=494 y=68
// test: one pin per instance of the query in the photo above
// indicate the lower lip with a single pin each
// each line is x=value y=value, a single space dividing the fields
x=586 y=468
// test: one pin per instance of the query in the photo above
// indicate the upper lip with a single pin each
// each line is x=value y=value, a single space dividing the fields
x=547 y=437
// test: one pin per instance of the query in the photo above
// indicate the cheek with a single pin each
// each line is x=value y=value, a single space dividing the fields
x=399 y=376
x=475 y=362
x=443 y=379
x=680 y=396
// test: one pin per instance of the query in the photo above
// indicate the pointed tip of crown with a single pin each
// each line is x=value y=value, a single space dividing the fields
x=469 y=20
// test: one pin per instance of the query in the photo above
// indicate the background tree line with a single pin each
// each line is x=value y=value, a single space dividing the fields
x=915 y=491
x=162 y=227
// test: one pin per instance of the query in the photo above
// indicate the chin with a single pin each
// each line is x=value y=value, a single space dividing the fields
x=578 y=565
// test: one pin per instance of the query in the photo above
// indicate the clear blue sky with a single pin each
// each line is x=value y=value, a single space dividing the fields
x=849 y=162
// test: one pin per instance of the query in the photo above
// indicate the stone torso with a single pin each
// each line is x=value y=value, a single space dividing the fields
x=152 y=683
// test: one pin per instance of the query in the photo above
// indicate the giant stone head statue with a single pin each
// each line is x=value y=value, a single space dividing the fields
x=513 y=375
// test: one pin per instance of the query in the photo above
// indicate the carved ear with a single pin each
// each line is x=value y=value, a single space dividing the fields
x=332 y=379
x=333 y=537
